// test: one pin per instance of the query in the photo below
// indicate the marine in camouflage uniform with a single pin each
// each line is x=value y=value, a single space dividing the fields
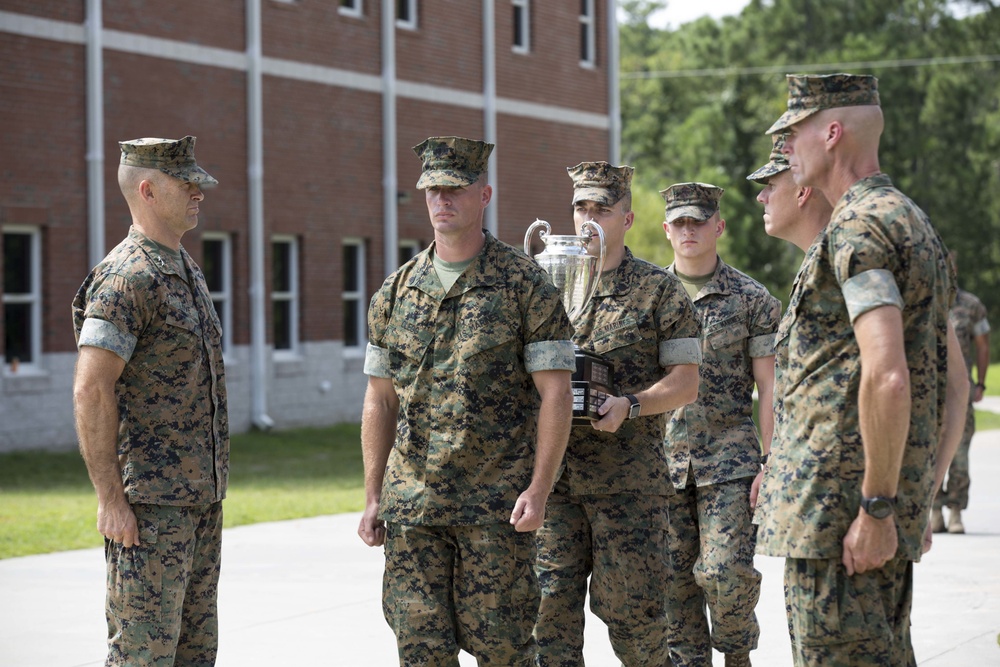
x=873 y=289
x=466 y=418
x=712 y=444
x=968 y=317
x=607 y=517
x=150 y=399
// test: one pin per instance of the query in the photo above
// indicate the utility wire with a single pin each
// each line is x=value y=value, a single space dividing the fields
x=822 y=67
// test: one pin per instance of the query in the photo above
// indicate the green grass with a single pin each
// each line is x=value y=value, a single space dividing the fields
x=48 y=504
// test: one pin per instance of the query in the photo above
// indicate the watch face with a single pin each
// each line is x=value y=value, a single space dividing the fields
x=879 y=508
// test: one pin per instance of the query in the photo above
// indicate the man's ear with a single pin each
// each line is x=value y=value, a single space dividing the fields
x=146 y=190
x=834 y=134
x=629 y=219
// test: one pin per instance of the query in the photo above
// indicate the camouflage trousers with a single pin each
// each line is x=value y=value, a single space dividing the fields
x=955 y=489
x=447 y=588
x=711 y=547
x=619 y=541
x=162 y=594
x=839 y=621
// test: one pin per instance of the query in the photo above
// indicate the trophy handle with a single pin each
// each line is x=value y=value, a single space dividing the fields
x=596 y=228
x=547 y=229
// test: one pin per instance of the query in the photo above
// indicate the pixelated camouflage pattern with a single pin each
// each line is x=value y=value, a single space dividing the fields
x=637 y=308
x=451 y=161
x=777 y=162
x=174 y=157
x=468 y=587
x=715 y=437
x=621 y=541
x=810 y=94
x=711 y=547
x=969 y=318
x=699 y=201
x=173 y=439
x=161 y=600
x=464 y=450
x=600 y=182
x=812 y=486
x=837 y=620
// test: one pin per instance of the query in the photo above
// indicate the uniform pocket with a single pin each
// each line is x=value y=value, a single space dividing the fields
x=728 y=334
x=135 y=576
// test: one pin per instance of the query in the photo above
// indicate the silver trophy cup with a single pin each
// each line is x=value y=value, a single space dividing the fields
x=575 y=273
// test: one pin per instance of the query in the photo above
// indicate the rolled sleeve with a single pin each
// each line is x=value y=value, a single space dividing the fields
x=550 y=355
x=981 y=327
x=105 y=335
x=377 y=362
x=870 y=290
x=761 y=346
x=677 y=351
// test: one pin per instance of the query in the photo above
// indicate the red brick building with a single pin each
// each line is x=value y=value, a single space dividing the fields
x=305 y=111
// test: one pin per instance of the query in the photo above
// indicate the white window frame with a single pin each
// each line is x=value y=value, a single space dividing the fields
x=291 y=296
x=355 y=9
x=588 y=20
x=411 y=9
x=357 y=295
x=225 y=296
x=408 y=244
x=32 y=297
x=525 y=24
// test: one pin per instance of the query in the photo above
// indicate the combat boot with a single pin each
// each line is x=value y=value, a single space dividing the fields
x=738 y=660
x=937 y=520
x=955 y=520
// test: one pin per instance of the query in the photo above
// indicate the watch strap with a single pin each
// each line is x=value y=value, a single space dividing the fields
x=634 y=407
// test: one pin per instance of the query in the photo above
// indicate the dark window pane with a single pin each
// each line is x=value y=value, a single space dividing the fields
x=281 y=267
x=584 y=10
x=282 y=325
x=17 y=263
x=211 y=264
x=403 y=10
x=17 y=332
x=518 y=25
x=351 y=323
x=351 y=267
x=584 y=51
x=220 y=311
x=406 y=253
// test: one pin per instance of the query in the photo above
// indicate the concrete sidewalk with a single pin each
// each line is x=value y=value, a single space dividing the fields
x=306 y=592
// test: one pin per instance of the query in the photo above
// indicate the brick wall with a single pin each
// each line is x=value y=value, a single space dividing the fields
x=323 y=171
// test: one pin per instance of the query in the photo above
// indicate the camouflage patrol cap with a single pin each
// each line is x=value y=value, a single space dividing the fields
x=699 y=201
x=809 y=94
x=451 y=161
x=600 y=182
x=777 y=161
x=174 y=157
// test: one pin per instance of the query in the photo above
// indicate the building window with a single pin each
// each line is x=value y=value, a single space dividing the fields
x=285 y=293
x=522 y=26
x=408 y=249
x=588 y=42
x=350 y=8
x=22 y=296
x=354 y=293
x=406 y=14
x=217 y=265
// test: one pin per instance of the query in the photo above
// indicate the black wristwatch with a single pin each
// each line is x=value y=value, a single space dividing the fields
x=878 y=507
x=634 y=407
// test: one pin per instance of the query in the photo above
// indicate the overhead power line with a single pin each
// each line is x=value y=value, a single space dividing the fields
x=820 y=67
